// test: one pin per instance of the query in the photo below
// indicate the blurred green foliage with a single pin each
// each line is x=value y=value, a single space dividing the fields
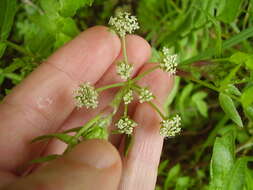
x=213 y=91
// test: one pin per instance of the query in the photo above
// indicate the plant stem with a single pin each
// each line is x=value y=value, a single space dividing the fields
x=18 y=48
x=140 y=76
x=125 y=109
x=203 y=83
x=87 y=125
x=123 y=40
x=110 y=86
x=157 y=109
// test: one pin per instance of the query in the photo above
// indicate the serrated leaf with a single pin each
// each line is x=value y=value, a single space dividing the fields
x=222 y=159
x=45 y=159
x=229 y=108
x=68 y=8
x=63 y=137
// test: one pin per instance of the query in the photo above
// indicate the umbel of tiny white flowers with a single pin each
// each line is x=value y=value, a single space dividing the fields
x=170 y=127
x=169 y=62
x=124 y=23
x=145 y=95
x=125 y=125
x=128 y=97
x=86 y=96
x=124 y=70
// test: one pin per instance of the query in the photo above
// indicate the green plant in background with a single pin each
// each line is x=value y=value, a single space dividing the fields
x=212 y=92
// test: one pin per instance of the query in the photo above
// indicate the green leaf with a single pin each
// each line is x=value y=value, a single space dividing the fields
x=95 y=132
x=238 y=38
x=182 y=183
x=171 y=176
x=162 y=166
x=45 y=159
x=50 y=7
x=229 y=108
x=222 y=159
x=236 y=178
x=68 y=8
x=230 y=11
x=201 y=105
x=249 y=178
x=246 y=97
x=232 y=89
x=2 y=48
x=61 y=136
x=249 y=112
x=7 y=13
x=240 y=57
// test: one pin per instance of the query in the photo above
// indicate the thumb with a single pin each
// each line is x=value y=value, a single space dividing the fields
x=93 y=164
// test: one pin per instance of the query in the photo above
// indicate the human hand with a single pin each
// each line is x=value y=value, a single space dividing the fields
x=43 y=103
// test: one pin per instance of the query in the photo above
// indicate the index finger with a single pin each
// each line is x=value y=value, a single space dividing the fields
x=43 y=100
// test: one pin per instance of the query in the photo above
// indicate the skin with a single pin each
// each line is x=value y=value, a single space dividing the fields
x=43 y=103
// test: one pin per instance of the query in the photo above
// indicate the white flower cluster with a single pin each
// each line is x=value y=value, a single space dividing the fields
x=124 y=23
x=170 y=127
x=128 y=97
x=145 y=95
x=169 y=62
x=124 y=70
x=86 y=96
x=125 y=125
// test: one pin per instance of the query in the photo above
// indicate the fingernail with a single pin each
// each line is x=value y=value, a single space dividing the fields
x=99 y=154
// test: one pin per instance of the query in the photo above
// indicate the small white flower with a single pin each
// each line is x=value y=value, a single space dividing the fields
x=86 y=95
x=124 y=23
x=126 y=125
x=124 y=70
x=128 y=97
x=170 y=127
x=169 y=62
x=145 y=95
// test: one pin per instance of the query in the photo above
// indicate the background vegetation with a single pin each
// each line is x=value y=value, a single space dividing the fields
x=213 y=91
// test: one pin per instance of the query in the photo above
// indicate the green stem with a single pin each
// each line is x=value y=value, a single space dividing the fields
x=203 y=83
x=18 y=48
x=123 y=40
x=87 y=125
x=110 y=86
x=125 y=109
x=157 y=109
x=140 y=76
x=219 y=60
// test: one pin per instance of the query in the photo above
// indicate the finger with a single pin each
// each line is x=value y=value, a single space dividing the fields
x=44 y=100
x=93 y=164
x=138 y=52
x=140 y=165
